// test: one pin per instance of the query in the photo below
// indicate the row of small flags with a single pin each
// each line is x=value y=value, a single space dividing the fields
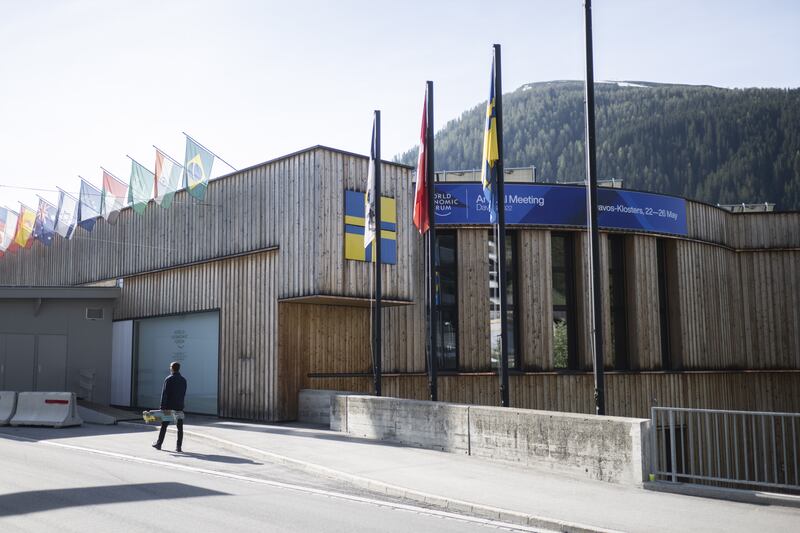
x=21 y=229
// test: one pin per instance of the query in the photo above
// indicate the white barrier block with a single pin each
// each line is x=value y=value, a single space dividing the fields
x=8 y=404
x=52 y=409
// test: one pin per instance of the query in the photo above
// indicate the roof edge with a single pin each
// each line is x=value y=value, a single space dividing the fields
x=311 y=149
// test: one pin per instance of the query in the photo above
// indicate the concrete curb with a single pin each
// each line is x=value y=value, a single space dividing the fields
x=754 y=497
x=443 y=502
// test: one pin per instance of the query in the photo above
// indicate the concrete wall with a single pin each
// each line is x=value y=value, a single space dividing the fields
x=605 y=448
x=314 y=406
x=88 y=361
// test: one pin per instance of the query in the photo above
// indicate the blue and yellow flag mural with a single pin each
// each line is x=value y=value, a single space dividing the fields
x=354 y=229
x=490 y=153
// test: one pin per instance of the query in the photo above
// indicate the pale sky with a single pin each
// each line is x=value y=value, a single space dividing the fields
x=84 y=83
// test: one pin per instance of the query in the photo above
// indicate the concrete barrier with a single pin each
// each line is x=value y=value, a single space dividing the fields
x=8 y=404
x=605 y=448
x=52 y=409
x=433 y=425
x=314 y=406
x=611 y=449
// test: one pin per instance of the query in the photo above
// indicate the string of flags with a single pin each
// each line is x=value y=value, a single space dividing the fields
x=20 y=229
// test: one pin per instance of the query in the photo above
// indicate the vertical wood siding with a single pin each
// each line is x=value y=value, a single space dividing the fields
x=535 y=300
x=241 y=290
x=644 y=325
x=473 y=299
x=339 y=172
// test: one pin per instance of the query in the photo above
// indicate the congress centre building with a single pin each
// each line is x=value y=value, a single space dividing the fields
x=263 y=288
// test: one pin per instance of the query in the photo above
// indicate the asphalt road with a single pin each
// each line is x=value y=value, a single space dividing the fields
x=98 y=478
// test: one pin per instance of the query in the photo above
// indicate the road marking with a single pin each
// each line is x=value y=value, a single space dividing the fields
x=288 y=486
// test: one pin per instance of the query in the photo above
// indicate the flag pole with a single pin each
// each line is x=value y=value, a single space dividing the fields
x=135 y=161
x=112 y=175
x=501 y=231
x=100 y=194
x=67 y=193
x=591 y=221
x=162 y=152
x=433 y=317
x=209 y=151
x=376 y=247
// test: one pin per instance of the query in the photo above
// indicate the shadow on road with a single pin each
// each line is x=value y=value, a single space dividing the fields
x=216 y=458
x=36 y=501
x=86 y=430
x=309 y=431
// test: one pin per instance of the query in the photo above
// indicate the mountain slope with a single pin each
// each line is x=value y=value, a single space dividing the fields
x=710 y=144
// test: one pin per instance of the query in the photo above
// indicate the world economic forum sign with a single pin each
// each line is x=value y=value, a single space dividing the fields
x=562 y=205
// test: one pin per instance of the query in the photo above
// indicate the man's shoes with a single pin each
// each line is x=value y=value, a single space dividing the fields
x=156 y=445
x=178 y=450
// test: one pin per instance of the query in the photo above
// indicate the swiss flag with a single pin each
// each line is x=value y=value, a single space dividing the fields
x=421 y=215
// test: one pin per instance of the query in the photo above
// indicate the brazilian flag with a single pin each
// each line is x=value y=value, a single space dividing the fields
x=197 y=168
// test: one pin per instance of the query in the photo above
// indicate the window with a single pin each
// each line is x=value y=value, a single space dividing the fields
x=447 y=300
x=565 y=354
x=617 y=295
x=664 y=305
x=494 y=300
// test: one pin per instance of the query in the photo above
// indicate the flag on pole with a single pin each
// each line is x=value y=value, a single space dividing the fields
x=115 y=196
x=421 y=215
x=140 y=190
x=7 y=243
x=369 y=198
x=90 y=205
x=3 y=216
x=67 y=215
x=25 y=223
x=167 y=180
x=44 y=227
x=197 y=168
x=8 y=221
x=490 y=153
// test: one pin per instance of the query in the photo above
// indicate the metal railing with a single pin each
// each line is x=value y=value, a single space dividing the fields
x=743 y=449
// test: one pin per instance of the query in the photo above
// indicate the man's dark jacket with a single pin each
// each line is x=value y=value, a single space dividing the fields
x=173 y=392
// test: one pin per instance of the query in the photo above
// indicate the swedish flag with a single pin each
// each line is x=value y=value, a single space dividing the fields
x=490 y=153
x=354 y=210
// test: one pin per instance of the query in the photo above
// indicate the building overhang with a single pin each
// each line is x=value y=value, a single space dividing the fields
x=60 y=293
x=348 y=301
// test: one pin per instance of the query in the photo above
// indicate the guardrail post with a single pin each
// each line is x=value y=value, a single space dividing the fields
x=653 y=445
x=672 y=454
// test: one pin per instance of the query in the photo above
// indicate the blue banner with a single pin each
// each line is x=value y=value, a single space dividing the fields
x=562 y=205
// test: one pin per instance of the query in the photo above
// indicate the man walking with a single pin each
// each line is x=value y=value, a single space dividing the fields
x=172 y=396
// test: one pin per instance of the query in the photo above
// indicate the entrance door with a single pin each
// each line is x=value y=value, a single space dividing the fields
x=17 y=363
x=51 y=368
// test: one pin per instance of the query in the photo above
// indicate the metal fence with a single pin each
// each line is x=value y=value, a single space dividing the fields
x=730 y=448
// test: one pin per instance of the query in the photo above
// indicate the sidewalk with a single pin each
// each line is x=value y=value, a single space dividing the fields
x=463 y=483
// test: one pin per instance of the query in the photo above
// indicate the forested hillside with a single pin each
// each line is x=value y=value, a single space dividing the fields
x=711 y=144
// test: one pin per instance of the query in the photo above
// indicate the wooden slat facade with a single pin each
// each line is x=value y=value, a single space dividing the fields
x=536 y=301
x=265 y=235
x=260 y=235
x=734 y=322
x=240 y=289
